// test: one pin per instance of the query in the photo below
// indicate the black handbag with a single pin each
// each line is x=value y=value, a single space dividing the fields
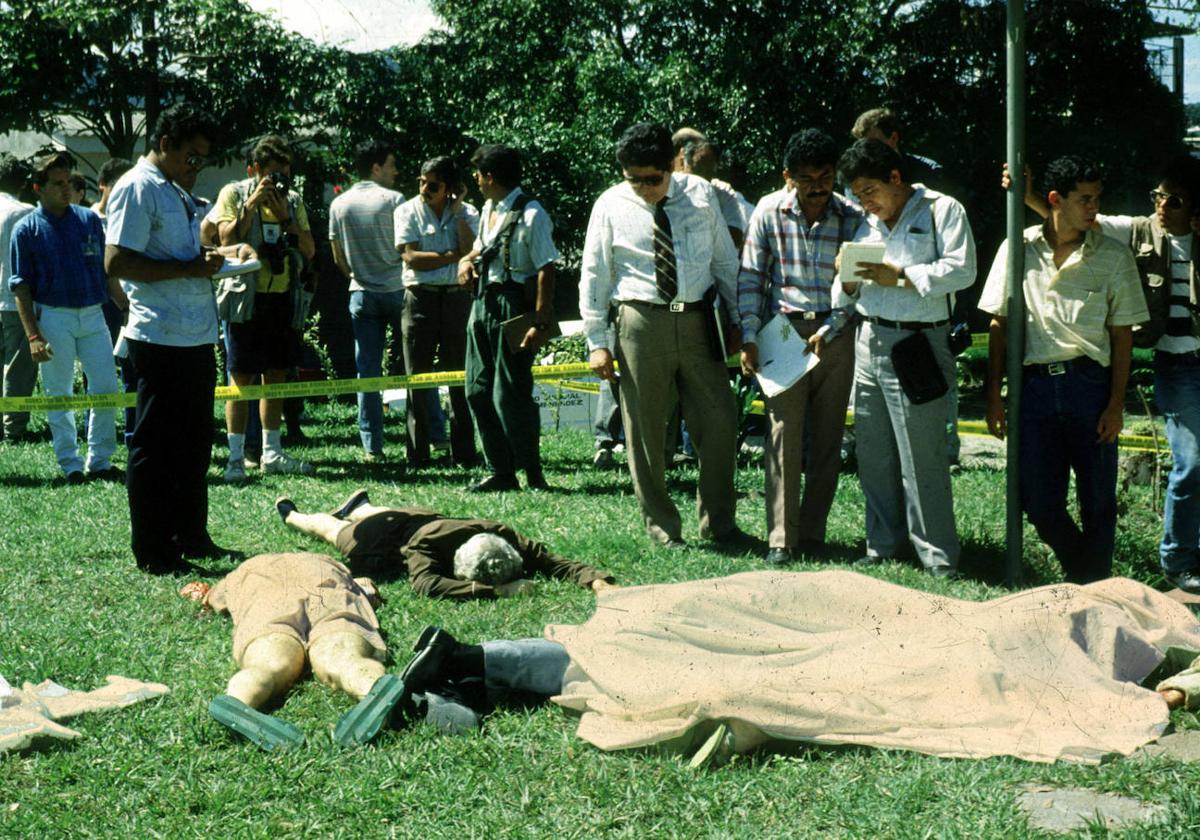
x=917 y=369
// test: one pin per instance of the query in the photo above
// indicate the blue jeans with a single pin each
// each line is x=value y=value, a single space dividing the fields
x=370 y=315
x=1058 y=435
x=1177 y=392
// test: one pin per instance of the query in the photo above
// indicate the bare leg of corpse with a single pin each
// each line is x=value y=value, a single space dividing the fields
x=364 y=510
x=346 y=661
x=269 y=666
x=321 y=525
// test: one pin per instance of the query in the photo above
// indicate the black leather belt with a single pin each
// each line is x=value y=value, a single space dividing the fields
x=1059 y=368
x=907 y=325
x=673 y=306
x=810 y=316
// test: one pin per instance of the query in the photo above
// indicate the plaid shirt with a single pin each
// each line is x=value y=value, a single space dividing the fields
x=794 y=260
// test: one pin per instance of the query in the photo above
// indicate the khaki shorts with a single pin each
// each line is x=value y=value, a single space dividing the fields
x=306 y=616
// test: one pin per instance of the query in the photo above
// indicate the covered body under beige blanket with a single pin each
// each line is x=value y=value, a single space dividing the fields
x=840 y=658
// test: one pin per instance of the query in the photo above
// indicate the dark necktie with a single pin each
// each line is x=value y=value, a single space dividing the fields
x=665 y=277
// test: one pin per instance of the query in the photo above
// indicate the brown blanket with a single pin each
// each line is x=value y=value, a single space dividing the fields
x=840 y=658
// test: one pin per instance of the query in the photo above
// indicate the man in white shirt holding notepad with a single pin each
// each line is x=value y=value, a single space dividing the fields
x=901 y=436
x=788 y=271
x=658 y=247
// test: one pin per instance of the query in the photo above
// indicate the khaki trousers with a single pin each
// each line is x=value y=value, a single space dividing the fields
x=804 y=438
x=665 y=357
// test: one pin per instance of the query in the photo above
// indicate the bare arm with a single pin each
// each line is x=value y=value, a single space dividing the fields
x=1112 y=420
x=997 y=354
x=426 y=260
x=339 y=257
x=543 y=312
x=133 y=265
x=39 y=348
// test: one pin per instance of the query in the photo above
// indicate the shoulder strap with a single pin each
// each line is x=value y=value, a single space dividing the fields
x=515 y=214
x=938 y=254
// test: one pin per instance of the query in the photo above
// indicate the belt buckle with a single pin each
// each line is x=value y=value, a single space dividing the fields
x=809 y=316
x=676 y=306
x=1056 y=368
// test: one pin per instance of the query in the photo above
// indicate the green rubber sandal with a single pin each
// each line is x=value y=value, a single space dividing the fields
x=362 y=723
x=268 y=732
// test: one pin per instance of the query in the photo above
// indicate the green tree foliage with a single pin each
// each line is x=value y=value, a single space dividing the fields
x=112 y=65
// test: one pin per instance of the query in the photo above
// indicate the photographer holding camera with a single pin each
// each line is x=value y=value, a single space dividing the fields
x=264 y=312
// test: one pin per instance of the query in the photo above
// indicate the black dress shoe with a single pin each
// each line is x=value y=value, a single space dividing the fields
x=206 y=549
x=1188 y=581
x=735 y=536
x=495 y=483
x=113 y=474
x=778 y=557
x=536 y=480
x=432 y=651
x=75 y=477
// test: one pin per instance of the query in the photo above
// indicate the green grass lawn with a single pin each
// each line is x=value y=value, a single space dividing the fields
x=73 y=608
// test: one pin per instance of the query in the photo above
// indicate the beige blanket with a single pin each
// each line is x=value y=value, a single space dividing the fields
x=840 y=658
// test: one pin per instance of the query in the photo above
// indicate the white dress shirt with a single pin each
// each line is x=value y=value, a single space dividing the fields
x=532 y=246
x=150 y=215
x=618 y=253
x=932 y=242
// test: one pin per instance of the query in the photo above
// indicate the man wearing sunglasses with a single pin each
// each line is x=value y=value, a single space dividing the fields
x=659 y=248
x=1165 y=250
x=434 y=229
x=153 y=245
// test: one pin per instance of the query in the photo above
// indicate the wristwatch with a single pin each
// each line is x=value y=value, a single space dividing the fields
x=901 y=280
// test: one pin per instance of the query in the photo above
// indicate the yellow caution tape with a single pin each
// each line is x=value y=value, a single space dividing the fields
x=315 y=388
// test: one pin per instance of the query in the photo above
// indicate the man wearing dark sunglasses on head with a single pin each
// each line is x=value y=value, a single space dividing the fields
x=658 y=247
x=1165 y=250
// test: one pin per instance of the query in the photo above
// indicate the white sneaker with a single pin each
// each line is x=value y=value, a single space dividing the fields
x=284 y=464
x=235 y=473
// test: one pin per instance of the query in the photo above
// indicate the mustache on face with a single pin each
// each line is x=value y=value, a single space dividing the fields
x=817 y=194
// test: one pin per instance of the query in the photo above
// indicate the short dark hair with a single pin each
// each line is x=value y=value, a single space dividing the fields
x=870 y=159
x=272 y=148
x=79 y=182
x=183 y=122
x=695 y=148
x=810 y=147
x=883 y=119
x=54 y=160
x=367 y=154
x=14 y=173
x=646 y=144
x=501 y=162
x=444 y=169
x=1183 y=171
x=112 y=170
x=1065 y=173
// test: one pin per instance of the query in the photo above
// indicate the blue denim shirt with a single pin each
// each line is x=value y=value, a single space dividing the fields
x=60 y=259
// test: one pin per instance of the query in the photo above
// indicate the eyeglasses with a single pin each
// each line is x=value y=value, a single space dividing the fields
x=196 y=161
x=1172 y=202
x=645 y=180
x=432 y=186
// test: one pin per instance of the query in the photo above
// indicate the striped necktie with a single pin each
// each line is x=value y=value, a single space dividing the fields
x=665 y=277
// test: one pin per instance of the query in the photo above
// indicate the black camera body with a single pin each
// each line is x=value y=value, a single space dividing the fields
x=282 y=182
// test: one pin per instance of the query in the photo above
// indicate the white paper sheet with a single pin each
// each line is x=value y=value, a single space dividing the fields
x=783 y=357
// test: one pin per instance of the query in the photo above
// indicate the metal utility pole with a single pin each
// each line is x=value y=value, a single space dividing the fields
x=1015 y=104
